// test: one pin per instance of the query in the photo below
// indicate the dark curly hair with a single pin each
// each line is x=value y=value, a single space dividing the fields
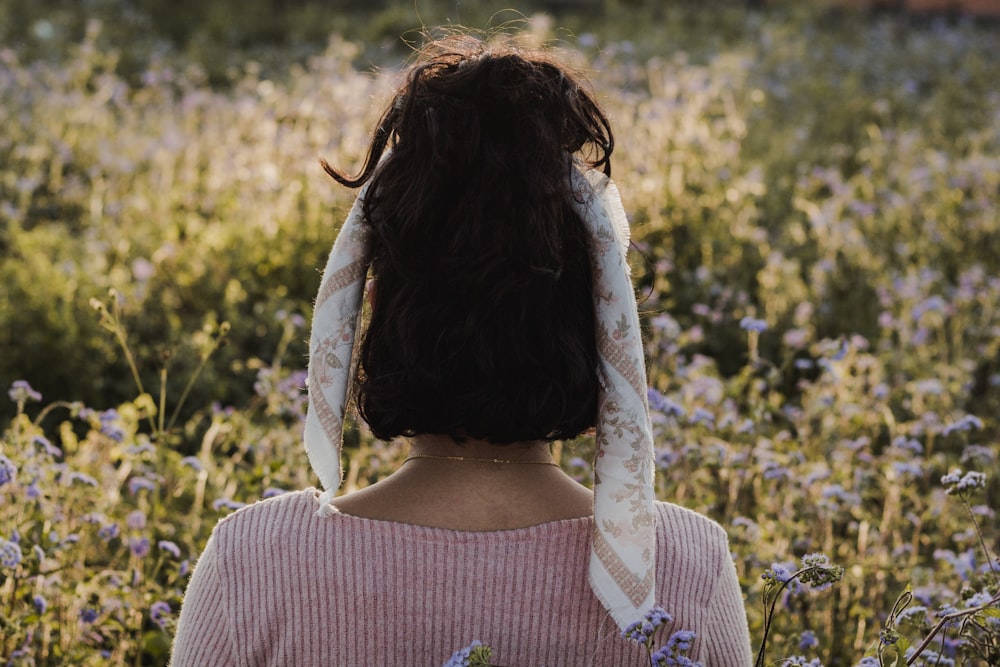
x=483 y=319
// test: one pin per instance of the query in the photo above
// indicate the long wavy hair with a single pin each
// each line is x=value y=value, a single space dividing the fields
x=482 y=324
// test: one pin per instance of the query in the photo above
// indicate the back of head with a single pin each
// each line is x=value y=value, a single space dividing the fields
x=483 y=318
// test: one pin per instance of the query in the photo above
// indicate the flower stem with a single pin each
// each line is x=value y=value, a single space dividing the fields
x=945 y=620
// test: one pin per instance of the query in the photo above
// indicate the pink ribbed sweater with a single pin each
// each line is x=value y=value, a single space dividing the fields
x=277 y=585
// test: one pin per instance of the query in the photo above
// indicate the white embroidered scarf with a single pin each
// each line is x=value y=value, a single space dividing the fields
x=624 y=541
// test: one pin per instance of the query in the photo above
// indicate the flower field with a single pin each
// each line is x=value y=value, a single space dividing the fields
x=817 y=249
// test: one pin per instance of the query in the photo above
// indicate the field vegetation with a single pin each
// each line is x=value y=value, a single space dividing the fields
x=817 y=248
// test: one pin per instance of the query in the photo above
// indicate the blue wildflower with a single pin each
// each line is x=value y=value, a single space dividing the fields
x=800 y=661
x=88 y=615
x=703 y=416
x=108 y=532
x=160 y=612
x=819 y=572
x=979 y=599
x=904 y=468
x=958 y=483
x=144 y=447
x=807 y=640
x=640 y=631
x=40 y=604
x=226 y=503
x=752 y=324
x=664 y=405
x=8 y=471
x=656 y=400
x=10 y=553
x=916 y=610
x=44 y=443
x=774 y=470
x=929 y=658
x=672 y=653
x=139 y=546
x=474 y=654
x=137 y=484
x=76 y=476
x=110 y=426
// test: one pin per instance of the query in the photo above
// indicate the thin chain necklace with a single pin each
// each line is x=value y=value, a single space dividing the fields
x=471 y=458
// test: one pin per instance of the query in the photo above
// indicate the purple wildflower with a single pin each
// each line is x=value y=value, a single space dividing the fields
x=807 y=640
x=271 y=492
x=137 y=484
x=781 y=574
x=83 y=478
x=40 y=604
x=139 y=546
x=169 y=547
x=88 y=615
x=192 y=462
x=641 y=631
x=21 y=392
x=227 y=503
x=136 y=520
x=966 y=423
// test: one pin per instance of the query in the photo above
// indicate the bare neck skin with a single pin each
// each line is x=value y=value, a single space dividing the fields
x=472 y=495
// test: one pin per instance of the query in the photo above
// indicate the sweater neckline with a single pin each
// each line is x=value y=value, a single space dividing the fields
x=556 y=527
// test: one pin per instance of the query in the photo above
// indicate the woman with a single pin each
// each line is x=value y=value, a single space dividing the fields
x=502 y=318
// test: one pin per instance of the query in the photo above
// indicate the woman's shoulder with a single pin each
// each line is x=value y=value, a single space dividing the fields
x=290 y=511
x=688 y=535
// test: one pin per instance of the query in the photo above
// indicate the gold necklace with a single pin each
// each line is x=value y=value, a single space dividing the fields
x=471 y=458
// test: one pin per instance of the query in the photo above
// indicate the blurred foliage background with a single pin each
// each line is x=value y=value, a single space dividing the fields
x=169 y=151
x=828 y=178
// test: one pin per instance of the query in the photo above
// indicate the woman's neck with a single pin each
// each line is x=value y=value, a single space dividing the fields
x=472 y=485
x=444 y=447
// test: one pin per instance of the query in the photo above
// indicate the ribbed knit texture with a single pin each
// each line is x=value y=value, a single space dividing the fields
x=277 y=585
